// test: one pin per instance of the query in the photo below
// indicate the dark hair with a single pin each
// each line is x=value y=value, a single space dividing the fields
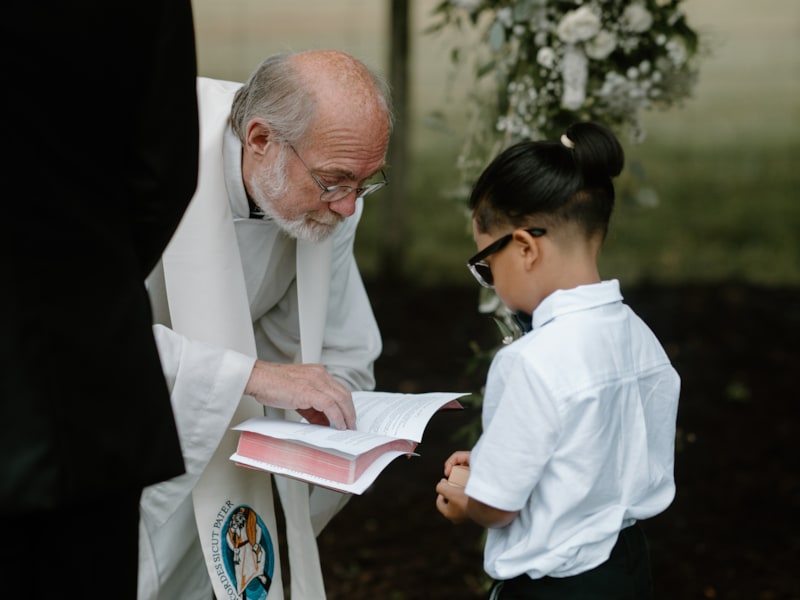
x=544 y=183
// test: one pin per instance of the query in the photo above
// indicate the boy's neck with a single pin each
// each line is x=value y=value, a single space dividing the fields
x=569 y=274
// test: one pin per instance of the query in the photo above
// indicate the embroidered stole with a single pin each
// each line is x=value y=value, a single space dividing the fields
x=208 y=302
x=313 y=282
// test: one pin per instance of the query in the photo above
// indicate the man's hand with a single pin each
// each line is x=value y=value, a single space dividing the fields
x=307 y=388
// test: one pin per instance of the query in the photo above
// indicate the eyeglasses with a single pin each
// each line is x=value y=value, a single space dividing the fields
x=481 y=269
x=337 y=192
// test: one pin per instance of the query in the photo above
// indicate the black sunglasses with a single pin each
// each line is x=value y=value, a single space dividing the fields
x=481 y=270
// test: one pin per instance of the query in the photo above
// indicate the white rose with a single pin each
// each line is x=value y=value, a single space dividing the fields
x=637 y=18
x=578 y=25
x=574 y=71
x=546 y=57
x=601 y=45
x=677 y=51
x=505 y=16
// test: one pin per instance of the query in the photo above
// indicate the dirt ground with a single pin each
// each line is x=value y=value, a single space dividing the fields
x=730 y=534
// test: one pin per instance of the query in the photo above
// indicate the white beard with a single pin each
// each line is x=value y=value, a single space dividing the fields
x=269 y=187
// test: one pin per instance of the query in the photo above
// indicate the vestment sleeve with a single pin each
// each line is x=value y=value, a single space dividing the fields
x=206 y=384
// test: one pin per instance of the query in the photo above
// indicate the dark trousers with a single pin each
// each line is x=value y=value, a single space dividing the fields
x=624 y=576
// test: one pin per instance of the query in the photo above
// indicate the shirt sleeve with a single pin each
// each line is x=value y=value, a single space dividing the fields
x=521 y=427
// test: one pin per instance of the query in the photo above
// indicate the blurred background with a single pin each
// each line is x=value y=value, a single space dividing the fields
x=720 y=173
x=705 y=240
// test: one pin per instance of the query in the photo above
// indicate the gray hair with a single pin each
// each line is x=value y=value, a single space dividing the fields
x=277 y=93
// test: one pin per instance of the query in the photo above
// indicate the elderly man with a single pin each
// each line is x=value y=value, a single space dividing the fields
x=259 y=303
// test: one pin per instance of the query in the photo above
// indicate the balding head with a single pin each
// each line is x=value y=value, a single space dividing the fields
x=296 y=92
x=335 y=70
x=310 y=121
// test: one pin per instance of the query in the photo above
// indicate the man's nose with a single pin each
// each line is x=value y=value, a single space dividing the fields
x=344 y=206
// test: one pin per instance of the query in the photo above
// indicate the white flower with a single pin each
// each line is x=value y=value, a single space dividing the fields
x=505 y=16
x=676 y=50
x=601 y=45
x=575 y=71
x=578 y=25
x=637 y=18
x=467 y=5
x=558 y=62
x=546 y=57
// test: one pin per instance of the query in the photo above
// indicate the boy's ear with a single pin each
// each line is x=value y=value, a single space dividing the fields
x=258 y=135
x=528 y=246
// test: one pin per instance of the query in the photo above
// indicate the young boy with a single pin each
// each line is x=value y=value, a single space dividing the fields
x=578 y=414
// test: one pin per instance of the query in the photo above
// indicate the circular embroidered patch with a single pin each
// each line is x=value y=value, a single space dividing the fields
x=249 y=555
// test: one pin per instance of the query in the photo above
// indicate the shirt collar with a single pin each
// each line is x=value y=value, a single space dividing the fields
x=583 y=297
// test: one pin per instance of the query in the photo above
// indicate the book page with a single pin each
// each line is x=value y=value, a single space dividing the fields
x=400 y=415
x=357 y=487
x=344 y=442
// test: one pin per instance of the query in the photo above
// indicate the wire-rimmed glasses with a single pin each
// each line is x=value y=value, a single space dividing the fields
x=337 y=192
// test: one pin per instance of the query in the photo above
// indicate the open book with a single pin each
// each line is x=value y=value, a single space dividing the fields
x=388 y=425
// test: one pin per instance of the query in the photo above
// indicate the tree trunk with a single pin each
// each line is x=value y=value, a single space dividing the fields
x=395 y=205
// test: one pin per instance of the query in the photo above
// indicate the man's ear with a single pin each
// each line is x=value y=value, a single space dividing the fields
x=258 y=134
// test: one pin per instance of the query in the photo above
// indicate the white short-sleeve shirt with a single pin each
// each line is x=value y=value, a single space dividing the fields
x=578 y=434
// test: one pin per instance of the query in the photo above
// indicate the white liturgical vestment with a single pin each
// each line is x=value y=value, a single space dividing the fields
x=231 y=288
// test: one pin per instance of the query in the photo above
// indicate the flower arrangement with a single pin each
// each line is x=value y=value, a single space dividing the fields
x=545 y=64
x=558 y=61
